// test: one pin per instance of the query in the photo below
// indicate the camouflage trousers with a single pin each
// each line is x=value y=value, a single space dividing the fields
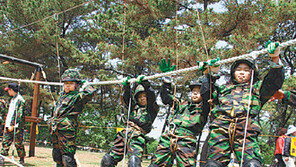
x=135 y=144
x=170 y=147
x=8 y=139
x=64 y=142
x=227 y=136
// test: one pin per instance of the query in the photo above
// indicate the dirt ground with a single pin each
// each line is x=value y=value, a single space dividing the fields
x=43 y=158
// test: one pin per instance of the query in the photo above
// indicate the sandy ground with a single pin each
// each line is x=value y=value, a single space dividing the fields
x=43 y=158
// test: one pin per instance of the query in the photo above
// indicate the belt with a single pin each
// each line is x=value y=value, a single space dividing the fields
x=135 y=126
x=174 y=131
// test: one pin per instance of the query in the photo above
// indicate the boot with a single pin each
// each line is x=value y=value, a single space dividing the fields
x=1 y=161
x=22 y=161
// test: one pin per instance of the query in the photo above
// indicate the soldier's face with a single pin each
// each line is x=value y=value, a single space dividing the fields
x=195 y=94
x=142 y=99
x=69 y=86
x=242 y=73
x=11 y=92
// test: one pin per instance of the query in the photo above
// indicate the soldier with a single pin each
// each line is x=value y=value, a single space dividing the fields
x=186 y=122
x=143 y=113
x=14 y=123
x=230 y=114
x=288 y=97
x=64 y=124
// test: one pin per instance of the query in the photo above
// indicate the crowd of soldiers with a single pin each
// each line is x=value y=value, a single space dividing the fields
x=233 y=107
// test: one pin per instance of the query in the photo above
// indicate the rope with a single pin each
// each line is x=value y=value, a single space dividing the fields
x=253 y=55
x=57 y=45
x=126 y=130
x=11 y=160
x=48 y=17
x=44 y=76
x=129 y=105
x=30 y=81
x=247 y=119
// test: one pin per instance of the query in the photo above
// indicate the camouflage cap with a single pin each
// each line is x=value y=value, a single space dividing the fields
x=250 y=62
x=139 y=89
x=196 y=82
x=71 y=75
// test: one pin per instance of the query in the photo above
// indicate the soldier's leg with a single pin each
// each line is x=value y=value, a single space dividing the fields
x=108 y=161
x=67 y=143
x=136 y=148
x=252 y=153
x=213 y=163
x=220 y=149
x=56 y=152
x=163 y=155
x=69 y=160
x=252 y=163
x=7 y=141
x=186 y=152
x=117 y=150
x=19 y=143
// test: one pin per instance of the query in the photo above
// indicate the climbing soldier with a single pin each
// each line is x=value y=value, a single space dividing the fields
x=185 y=123
x=230 y=114
x=142 y=114
x=64 y=124
x=288 y=97
x=14 y=123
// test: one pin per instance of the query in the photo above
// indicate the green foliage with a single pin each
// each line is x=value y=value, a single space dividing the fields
x=106 y=40
x=152 y=146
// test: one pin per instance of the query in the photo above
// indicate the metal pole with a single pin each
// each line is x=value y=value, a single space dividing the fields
x=34 y=114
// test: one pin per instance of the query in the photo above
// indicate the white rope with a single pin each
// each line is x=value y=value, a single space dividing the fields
x=253 y=55
x=10 y=160
x=126 y=130
x=31 y=81
x=247 y=119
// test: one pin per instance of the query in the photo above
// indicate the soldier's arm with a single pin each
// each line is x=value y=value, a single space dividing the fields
x=152 y=106
x=272 y=82
x=205 y=92
x=20 y=109
x=289 y=98
x=127 y=94
x=274 y=79
x=87 y=93
x=165 y=94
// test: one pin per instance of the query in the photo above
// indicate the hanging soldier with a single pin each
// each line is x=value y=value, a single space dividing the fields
x=185 y=123
x=143 y=111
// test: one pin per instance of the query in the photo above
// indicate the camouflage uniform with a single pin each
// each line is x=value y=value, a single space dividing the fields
x=290 y=98
x=64 y=124
x=186 y=122
x=227 y=128
x=19 y=130
x=140 y=123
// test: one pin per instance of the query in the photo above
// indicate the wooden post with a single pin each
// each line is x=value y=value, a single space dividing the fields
x=34 y=113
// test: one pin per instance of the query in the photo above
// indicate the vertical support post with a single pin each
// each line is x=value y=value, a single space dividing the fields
x=34 y=113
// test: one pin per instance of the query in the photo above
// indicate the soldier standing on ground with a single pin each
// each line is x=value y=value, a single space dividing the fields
x=64 y=124
x=14 y=123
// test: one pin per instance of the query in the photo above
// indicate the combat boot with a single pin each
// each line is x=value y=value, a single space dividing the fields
x=1 y=161
x=22 y=160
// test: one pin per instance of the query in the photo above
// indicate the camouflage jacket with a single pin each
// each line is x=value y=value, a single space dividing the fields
x=142 y=116
x=289 y=98
x=68 y=107
x=19 y=107
x=232 y=99
x=2 y=112
x=186 y=119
